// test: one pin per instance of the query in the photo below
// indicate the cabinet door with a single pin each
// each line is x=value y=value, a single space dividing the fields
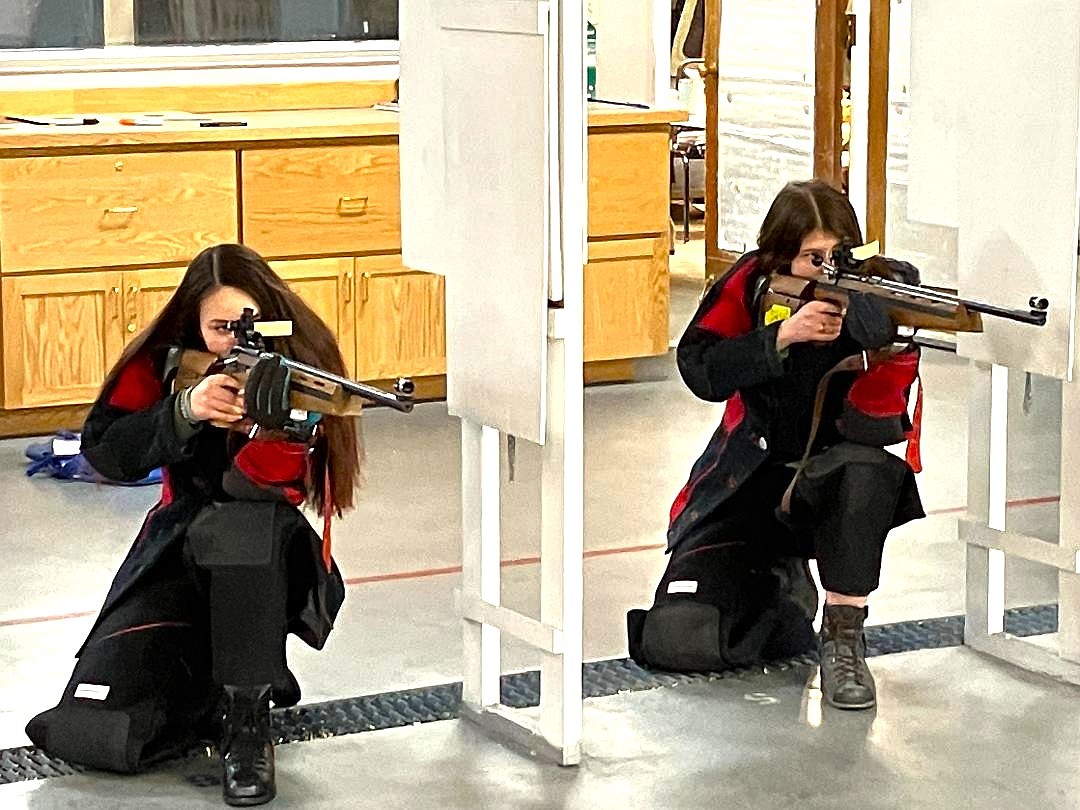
x=145 y=294
x=626 y=299
x=326 y=285
x=62 y=333
x=401 y=320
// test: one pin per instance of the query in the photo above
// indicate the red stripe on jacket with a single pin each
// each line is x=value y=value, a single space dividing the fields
x=729 y=316
x=137 y=387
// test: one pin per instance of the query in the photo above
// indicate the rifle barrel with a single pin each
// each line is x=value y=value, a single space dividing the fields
x=1036 y=317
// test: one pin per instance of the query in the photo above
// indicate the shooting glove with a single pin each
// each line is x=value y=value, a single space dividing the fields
x=266 y=393
x=868 y=322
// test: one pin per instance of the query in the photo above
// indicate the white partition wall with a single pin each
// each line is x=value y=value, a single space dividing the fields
x=1003 y=76
x=493 y=134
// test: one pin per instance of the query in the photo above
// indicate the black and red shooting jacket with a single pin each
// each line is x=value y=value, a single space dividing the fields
x=725 y=355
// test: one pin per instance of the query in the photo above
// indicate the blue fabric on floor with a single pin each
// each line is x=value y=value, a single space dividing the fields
x=73 y=467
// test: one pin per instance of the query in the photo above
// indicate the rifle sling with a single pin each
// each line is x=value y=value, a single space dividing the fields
x=854 y=362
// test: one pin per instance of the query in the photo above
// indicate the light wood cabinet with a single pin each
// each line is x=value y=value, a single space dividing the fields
x=61 y=335
x=628 y=182
x=401 y=320
x=64 y=331
x=626 y=299
x=333 y=199
x=111 y=210
x=98 y=223
x=328 y=287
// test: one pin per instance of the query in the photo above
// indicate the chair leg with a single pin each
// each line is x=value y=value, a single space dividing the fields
x=686 y=198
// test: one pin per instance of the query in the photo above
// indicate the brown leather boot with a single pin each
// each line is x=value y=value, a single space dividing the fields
x=247 y=753
x=846 y=682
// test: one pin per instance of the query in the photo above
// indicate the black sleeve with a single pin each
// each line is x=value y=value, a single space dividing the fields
x=715 y=367
x=126 y=446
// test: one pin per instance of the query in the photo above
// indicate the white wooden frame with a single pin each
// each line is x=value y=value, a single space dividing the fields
x=557 y=634
x=988 y=539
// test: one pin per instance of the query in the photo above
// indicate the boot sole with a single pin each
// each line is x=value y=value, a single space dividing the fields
x=868 y=704
x=246 y=802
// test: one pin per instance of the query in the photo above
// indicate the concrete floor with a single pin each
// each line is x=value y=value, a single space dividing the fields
x=953 y=729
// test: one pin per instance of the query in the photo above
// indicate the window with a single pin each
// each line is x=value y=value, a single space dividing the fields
x=84 y=24
x=52 y=24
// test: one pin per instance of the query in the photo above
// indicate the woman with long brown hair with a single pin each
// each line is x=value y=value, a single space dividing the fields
x=190 y=642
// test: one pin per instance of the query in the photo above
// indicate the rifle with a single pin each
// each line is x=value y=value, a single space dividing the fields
x=908 y=305
x=310 y=388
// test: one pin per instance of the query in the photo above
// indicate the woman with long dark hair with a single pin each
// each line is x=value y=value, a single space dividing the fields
x=737 y=588
x=190 y=642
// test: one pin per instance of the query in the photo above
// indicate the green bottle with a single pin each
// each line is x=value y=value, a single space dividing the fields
x=590 y=59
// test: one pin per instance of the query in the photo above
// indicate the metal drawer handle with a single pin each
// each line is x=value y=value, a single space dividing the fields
x=352 y=206
x=122 y=209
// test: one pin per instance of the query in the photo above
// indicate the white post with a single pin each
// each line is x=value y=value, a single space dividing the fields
x=480 y=559
x=562 y=471
x=987 y=444
x=1069 y=523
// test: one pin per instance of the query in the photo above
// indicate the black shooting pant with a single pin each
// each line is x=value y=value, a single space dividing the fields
x=241 y=565
x=736 y=590
x=211 y=612
x=844 y=504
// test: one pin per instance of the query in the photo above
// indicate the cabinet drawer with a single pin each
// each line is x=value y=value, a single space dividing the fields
x=103 y=210
x=337 y=199
x=629 y=183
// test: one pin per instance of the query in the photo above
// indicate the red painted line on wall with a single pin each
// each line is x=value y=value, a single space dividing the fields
x=423 y=573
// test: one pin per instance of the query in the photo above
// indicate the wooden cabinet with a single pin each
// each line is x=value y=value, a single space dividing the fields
x=331 y=199
x=629 y=189
x=61 y=335
x=401 y=320
x=98 y=223
x=63 y=332
x=626 y=299
x=112 y=210
x=328 y=287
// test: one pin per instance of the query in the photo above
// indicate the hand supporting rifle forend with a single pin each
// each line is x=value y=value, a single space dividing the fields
x=310 y=388
x=910 y=305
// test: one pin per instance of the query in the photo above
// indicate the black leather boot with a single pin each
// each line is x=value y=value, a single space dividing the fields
x=247 y=754
x=846 y=682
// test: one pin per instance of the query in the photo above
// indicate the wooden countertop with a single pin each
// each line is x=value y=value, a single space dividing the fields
x=286 y=125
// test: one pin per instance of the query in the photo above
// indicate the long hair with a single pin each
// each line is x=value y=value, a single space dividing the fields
x=338 y=450
x=798 y=210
